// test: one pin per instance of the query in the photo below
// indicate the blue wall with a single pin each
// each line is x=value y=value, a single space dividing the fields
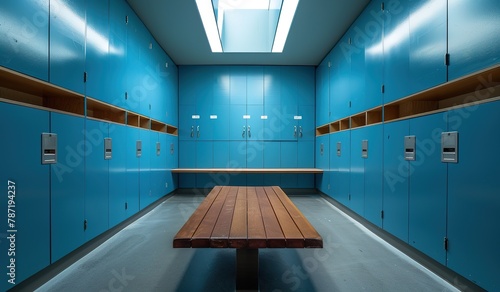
x=61 y=206
x=277 y=132
x=402 y=49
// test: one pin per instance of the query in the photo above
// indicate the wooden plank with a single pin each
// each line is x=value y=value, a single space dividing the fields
x=311 y=237
x=256 y=230
x=201 y=238
x=239 y=236
x=274 y=234
x=292 y=234
x=220 y=234
x=183 y=237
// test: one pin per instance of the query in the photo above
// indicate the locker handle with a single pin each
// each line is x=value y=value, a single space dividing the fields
x=295 y=131
x=249 y=132
x=300 y=132
x=198 y=131
x=192 y=131
x=243 y=134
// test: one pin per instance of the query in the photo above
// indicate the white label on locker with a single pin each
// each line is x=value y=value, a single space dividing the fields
x=263 y=117
x=246 y=117
x=297 y=117
x=213 y=117
x=195 y=117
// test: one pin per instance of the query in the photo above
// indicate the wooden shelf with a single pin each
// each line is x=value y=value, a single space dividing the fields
x=132 y=119
x=345 y=124
x=172 y=130
x=144 y=122
x=374 y=116
x=335 y=126
x=103 y=111
x=28 y=91
x=358 y=120
x=323 y=130
x=158 y=126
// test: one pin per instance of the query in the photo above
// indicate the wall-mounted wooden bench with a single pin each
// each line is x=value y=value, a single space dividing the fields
x=247 y=170
x=247 y=218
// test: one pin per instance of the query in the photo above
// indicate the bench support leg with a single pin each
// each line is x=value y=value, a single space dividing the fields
x=247 y=269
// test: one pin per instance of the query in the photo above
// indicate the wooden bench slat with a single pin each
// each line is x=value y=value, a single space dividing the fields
x=239 y=234
x=183 y=237
x=220 y=234
x=274 y=234
x=256 y=230
x=292 y=234
x=201 y=238
x=311 y=236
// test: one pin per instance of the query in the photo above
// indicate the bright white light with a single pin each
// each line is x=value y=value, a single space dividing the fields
x=241 y=4
x=208 y=18
x=285 y=22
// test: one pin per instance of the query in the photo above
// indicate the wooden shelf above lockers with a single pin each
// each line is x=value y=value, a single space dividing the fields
x=103 y=111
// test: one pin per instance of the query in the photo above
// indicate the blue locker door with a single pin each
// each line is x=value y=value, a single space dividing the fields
x=255 y=85
x=340 y=86
x=204 y=130
x=187 y=154
x=67 y=185
x=156 y=169
x=306 y=78
x=473 y=200
x=357 y=194
x=220 y=119
x=172 y=93
x=428 y=44
x=305 y=122
x=238 y=154
x=238 y=86
x=323 y=162
x=396 y=182
x=162 y=183
x=237 y=123
x=255 y=154
x=290 y=84
x=373 y=175
x=481 y=49
x=289 y=155
x=396 y=48
x=146 y=196
x=97 y=51
x=220 y=85
x=272 y=160
x=118 y=174
x=117 y=57
x=272 y=87
x=255 y=124
x=132 y=200
x=135 y=64
x=172 y=162
x=272 y=122
x=334 y=167
x=67 y=44
x=341 y=181
x=221 y=154
x=30 y=185
x=187 y=122
x=427 y=214
x=305 y=158
x=322 y=92
x=374 y=58
x=25 y=36
x=96 y=179
x=204 y=154
x=358 y=72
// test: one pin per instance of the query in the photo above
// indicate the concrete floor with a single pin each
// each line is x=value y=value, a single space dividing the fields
x=141 y=258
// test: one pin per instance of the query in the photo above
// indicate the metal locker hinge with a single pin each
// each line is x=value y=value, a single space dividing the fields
x=446 y=243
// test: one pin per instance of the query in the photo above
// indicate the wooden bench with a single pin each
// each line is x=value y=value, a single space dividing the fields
x=247 y=218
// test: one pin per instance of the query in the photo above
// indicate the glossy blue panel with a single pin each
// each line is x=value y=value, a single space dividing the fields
x=204 y=154
x=305 y=78
x=357 y=199
x=146 y=196
x=255 y=125
x=159 y=169
x=306 y=126
x=221 y=154
x=187 y=125
x=172 y=94
x=273 y=124
x=479 y=21
x=172 y=149
x=132 y=194
x=323 y=93
x=288 y=155
x=271 y=157
x=255 y=85
x=289 y=180
x=187 y=154
x=32 y=191
x=237 y=125
x=340 y=166
x=358 y=73
x=289 y=126
x=67 y=185
x=473 y=200
x=117 y=57
x=339 y=82
x=204 y=130
x=220 y=125
x=25 y=33
x=67 y=44
x=238 y=86
x=323 y=161
x=238 y=154
x=289 y=86
x=305 y=154
x=117 y=175
x=221 y=85
x=373 y=175
x=96 y=179
x=427 y=214
x=272 y=88
x=255 y=154
x=396 y=182
x=97 y=51
x=396 y=47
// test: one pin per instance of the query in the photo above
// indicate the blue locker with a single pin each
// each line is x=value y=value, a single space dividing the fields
x=204 y=154
x=188 y=122
x=272 y=88
x=340 y=86
x=219 y=119
x=255 y=85
x=187 y=154
x=67 y=44
x=238 y=86
x=255 y=154
x=96 y=179
x=172 y=162
x=255 y=124
x=396 y=180
x=323 y=92
x=118 y=174
x=290 y=85
x=358 y=74
x=305 y=154
x=221 y=85
x=306 y=81
x=272 y=160
x=117 y=58
x=373 y=175
x=238 y=154
x=427 y=213
x=237 y=123
x=473 y=200
x=289 y=159
x=357 y=193
x=221 y=154
x=323 y=162
x=481 y=48
x=305 y=123
x=188 y=85
x=172 y=93
x=132 y=182
x=31 y=189
x=396 y=47
x=159 y=176
x=67 y=185
x=340 y=166
x=428 y=44
x=97 y=51
x=273 y=125
x=137 y=44
x=146 y=196
x=25 y=36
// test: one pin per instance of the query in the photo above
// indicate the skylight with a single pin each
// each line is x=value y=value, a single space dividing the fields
x=247 y=26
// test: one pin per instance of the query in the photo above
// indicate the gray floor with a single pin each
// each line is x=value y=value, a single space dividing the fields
x=141 y=258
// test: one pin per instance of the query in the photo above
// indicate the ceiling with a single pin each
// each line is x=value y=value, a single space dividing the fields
x=316 y=28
